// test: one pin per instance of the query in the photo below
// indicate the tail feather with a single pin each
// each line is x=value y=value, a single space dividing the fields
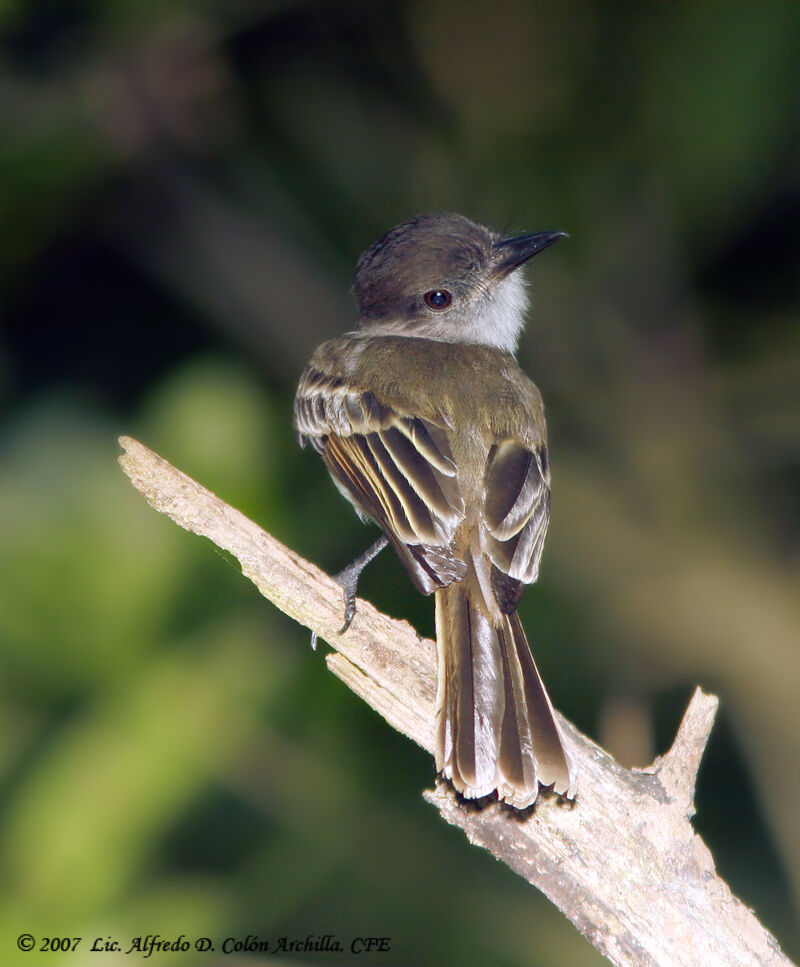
x=496 y=725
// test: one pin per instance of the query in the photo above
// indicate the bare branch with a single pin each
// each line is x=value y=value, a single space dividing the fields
x=622 y=862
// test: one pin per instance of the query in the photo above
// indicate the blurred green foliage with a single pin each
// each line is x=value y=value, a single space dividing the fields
x=184 y=189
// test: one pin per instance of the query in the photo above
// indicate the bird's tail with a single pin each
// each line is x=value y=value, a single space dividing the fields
x=496 y=728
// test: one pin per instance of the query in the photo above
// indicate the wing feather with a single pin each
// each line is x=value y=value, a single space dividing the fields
x=516 y=511
x=403 y=487
x=396 y=468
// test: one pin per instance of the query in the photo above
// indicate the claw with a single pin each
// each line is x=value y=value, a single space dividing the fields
x=348 y=578
x=349 y=582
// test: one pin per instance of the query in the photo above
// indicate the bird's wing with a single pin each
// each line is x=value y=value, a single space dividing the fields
x=516 y=514
x=396 y=468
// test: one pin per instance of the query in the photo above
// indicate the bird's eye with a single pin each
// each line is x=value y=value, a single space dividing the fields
x=438 y=299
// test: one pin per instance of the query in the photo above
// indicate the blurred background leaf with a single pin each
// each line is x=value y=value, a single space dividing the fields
x=184 y=189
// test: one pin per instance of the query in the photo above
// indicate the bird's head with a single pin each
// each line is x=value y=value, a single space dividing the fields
x=443 y=277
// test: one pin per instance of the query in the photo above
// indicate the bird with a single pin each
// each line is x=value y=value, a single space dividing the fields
x=431 y=430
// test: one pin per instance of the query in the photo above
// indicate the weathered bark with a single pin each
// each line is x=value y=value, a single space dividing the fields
x=622 y=861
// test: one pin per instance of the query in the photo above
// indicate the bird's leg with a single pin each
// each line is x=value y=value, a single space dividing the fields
x=348 y=578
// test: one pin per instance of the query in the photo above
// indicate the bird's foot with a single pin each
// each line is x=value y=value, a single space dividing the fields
x=348 y=578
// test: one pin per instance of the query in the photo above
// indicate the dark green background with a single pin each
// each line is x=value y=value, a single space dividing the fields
x=184 y=189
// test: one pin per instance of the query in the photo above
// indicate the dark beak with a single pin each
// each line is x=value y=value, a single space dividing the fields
x=516 y=250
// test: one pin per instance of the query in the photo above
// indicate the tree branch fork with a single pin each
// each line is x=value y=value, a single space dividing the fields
x=622 y=862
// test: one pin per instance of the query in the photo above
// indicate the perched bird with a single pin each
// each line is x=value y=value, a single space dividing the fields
x=430 y=429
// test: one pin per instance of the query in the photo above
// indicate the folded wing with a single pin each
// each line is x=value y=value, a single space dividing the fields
x=396 y=468
x=516 y=514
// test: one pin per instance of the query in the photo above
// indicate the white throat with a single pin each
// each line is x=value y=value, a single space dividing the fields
x=499 y=315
